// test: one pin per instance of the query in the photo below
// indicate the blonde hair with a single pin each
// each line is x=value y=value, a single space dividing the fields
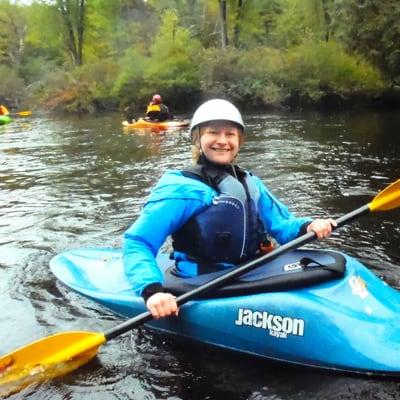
x=196 y=135
x=196 y=151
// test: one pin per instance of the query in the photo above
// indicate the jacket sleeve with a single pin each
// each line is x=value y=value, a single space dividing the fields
x=143 y=239
x=279 y=222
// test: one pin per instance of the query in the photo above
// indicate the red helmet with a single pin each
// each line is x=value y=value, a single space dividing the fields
x=157 y=99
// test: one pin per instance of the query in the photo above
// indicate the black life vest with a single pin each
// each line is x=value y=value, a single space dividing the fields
x=229 y=230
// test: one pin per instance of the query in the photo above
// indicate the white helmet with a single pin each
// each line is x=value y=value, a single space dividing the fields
x=215 y=110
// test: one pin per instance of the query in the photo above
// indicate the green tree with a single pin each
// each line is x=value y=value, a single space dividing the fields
x=303 y=20
x=173 y=64
x=90 y=55
x=372 y=28
x=13 y=30
x=253 y=21
x=73 y=16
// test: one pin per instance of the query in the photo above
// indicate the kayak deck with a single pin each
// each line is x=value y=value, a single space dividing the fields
x=349 y=323
x=144 y=124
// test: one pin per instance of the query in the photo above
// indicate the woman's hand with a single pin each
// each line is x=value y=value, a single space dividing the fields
x=322 y=227
x=162 y=305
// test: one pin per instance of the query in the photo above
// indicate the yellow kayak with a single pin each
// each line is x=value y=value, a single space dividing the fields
x=144 y=124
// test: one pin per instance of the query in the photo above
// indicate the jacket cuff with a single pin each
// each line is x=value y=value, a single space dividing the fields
x=303 y=228
x=151 y=289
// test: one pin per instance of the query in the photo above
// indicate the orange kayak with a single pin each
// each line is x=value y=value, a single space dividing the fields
x=143 y=124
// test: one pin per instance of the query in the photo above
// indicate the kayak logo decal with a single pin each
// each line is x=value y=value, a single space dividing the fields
x=358 y=286
x=277 y=325
x=292 y=266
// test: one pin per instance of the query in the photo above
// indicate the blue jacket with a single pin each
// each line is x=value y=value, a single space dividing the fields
x=172 y=202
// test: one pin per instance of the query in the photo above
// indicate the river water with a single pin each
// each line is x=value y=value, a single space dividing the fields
x=80 y=182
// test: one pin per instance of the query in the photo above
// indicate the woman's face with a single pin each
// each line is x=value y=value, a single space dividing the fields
x=220 y=141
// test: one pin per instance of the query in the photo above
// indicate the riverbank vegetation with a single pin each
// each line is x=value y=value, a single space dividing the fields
x=98 y=55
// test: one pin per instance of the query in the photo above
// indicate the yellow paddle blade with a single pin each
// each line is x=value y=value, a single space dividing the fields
x=387 y=199
x=24 y=113
x=46 y=358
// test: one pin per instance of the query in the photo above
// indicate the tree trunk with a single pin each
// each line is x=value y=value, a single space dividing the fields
x=65 y=10
x=81 y=29
x=238 y=17
x=224 y=29
x=74 y=31
x=327 y=19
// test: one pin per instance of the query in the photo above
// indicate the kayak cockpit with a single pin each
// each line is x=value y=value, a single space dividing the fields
x=294 y=270
x=100 y=272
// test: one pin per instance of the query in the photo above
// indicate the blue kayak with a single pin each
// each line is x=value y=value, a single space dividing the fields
x=312 y=308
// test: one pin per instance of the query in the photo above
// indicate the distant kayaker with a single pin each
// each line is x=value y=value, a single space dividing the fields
x=218 y=214
x=156 y=110
x=4 y=110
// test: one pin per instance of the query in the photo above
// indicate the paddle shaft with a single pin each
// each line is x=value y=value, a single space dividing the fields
x=233 y=274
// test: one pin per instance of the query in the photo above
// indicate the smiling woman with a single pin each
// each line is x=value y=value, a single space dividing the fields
x=220 y=142
x=217 y=130
x=218 y=135
x=217 y=214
